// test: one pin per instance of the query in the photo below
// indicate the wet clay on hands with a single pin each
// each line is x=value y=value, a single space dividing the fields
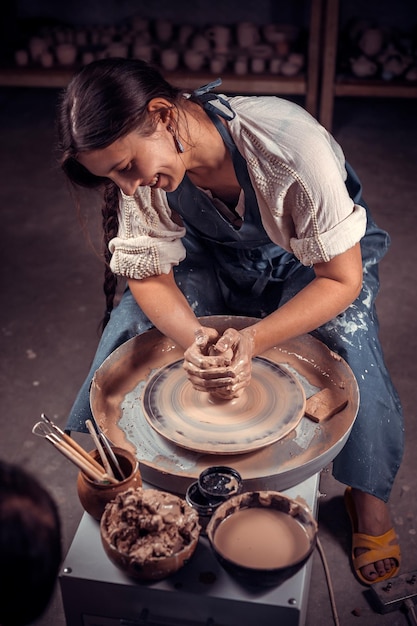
x=222 y=365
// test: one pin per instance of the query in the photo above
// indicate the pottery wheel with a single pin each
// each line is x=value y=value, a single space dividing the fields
x=119 y=385
x=266 y=411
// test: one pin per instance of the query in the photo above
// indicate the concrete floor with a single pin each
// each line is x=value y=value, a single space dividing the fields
x=52 y=304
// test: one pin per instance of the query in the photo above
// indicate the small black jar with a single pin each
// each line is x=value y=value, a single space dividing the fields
x=214 y=485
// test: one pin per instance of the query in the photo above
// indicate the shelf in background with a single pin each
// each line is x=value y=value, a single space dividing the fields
x=344 y=86
x=247 y=84
x=333 y=85
x=304 y=84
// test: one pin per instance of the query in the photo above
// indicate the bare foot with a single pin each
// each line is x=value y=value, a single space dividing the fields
x=373 y=519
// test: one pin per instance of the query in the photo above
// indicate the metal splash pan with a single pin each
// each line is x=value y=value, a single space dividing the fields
x=132 y=370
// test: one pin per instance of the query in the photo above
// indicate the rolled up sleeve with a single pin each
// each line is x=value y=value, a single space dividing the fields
x=325 y=246
x=148 y=242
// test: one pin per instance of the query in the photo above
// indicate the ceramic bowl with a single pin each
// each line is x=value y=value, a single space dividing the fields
x=66 y=53
x=94 y=496
x=149 y=534
x=262 y=537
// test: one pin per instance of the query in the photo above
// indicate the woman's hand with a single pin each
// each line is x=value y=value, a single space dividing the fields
x=221 y=366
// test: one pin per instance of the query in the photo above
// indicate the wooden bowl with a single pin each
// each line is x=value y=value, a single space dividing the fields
x=149 y=534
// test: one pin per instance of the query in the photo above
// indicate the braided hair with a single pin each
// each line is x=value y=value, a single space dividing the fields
x=105 y=101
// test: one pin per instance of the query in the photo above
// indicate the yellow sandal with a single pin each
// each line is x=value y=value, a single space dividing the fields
x=378 y=548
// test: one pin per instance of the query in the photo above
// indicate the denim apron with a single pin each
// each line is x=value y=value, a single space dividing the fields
x=233 y=268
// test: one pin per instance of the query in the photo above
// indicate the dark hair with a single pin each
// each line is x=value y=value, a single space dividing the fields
x=105 y=101
x=30 y=546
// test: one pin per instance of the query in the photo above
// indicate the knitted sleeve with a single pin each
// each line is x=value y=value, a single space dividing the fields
x=149 y=241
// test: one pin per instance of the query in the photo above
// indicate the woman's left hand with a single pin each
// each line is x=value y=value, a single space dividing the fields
x=220 y=366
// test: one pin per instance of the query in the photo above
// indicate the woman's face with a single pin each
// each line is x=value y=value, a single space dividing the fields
x=135 y=161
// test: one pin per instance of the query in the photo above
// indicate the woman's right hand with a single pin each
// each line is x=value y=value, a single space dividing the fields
x=220 y=365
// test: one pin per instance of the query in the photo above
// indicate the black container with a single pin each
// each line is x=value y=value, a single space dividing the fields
x=204 y=507
x=219 y=483
x=214 y=485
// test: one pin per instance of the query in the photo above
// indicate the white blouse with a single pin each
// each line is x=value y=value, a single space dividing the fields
x=297 y=170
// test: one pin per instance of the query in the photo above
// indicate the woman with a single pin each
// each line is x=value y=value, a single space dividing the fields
x=244 y=206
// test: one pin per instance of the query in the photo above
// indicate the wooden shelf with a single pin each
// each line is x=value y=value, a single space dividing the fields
x=249 y=83
x=374 y=88
x=333 y=85
x=321 y=62
x=34 y=77
x=305 y=84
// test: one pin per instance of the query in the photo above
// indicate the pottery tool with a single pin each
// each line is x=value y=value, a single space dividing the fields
x=99 y=447
x=324 y=404
x=107 y=444
x=71 y=450
x=64 y=437
x=128 y=393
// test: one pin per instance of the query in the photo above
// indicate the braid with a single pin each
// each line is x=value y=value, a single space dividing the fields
x=110 y=228
x=105 y=101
